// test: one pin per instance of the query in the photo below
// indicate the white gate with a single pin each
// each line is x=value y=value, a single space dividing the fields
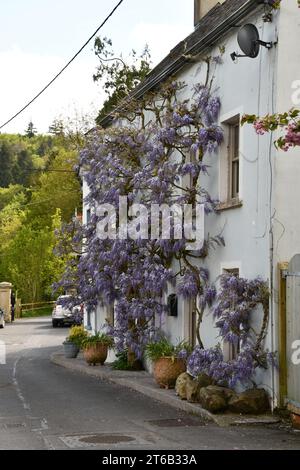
x=293 y=331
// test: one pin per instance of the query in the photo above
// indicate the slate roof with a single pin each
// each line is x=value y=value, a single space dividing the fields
x=208 y=32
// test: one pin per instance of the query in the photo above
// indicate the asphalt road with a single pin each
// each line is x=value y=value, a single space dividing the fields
x=43 y=406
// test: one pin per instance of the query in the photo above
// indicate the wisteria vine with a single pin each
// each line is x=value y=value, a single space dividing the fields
x=235 y=303
x=156 y=145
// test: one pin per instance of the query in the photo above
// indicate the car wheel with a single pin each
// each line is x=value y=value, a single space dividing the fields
x=54 y=323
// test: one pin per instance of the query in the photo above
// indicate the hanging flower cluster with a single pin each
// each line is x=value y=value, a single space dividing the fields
x=240 y=371
x=289 y=122
x=236 y=301
x=155 y=145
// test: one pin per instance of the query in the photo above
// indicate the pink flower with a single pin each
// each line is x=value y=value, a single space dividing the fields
x=259 y=127
x=293 y=135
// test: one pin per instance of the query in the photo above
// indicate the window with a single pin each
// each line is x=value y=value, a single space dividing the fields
x=232 y=271
x=88 y=216
x=234 y=159
x=230 y=164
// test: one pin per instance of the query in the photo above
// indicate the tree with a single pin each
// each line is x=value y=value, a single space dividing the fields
x=17 y=160
x=57 y=127
x=12 y=201
x=30 y=215
x=119 y=78
x=30 y=261
x=57 y=188
x=30 y=131
x=6 y=163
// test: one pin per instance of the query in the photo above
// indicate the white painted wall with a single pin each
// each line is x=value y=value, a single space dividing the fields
x=243 y=87
x=286 y=198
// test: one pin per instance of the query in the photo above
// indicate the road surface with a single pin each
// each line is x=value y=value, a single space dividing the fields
x=43 y=406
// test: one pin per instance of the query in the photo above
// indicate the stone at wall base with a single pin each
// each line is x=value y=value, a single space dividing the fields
x=181 y=384
x=254 y=401
x=214 y=398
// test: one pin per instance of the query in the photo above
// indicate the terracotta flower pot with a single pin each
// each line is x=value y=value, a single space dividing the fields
x=96 y=354
x=167 y=370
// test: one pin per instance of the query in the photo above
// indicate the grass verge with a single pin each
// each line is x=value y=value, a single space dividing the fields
x=38 y=312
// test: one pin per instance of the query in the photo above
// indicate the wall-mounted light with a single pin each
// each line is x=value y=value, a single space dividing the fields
x=249 y=42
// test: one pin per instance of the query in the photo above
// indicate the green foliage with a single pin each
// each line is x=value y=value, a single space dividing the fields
x=26 y=261
x=164 y=348
x=121 y=363
x=39 y=192
x=77 y=335
x=30 y=131
x=21 y=156
x=58 y=187
x=98 y=338
x=38 y=312
x=8 y=195
x=15 y=162
x=117 y=77
x=57 y=128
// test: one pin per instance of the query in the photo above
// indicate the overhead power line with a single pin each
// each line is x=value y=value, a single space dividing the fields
x=65 y=67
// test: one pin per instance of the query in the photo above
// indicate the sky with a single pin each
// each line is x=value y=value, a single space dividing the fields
x=37 y=38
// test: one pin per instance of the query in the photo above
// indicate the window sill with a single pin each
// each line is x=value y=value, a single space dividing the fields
x=232 y=204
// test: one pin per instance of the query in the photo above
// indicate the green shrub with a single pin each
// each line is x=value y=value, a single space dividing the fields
x=98 y=338
x=121 y=363
x=77 y=335
x=164 y=348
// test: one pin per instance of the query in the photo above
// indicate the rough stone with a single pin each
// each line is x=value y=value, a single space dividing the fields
x=181 y=385
x=213 y=398
x=192 y=391
x=227 y=393
x=253 y=401
x=188 y=388
x=204 y=380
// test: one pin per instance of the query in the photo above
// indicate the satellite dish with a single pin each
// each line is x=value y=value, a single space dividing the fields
x=248 y=40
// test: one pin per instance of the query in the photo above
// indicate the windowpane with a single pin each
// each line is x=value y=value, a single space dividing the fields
x=235 y=178
x=236 y=132
x=234 y=156
x=88 y=216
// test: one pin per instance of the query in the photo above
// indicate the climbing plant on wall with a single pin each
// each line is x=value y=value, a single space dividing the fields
x=156 y=144
x=233 y=311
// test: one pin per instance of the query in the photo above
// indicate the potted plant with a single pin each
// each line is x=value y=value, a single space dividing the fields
x=73 y=342
x=169 y=361
x=95 y=348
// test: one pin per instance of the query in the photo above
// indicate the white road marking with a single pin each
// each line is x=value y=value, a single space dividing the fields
x=43 y=422
x=26 y=405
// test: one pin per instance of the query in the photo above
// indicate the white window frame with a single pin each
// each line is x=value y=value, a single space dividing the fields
x=225 y=176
